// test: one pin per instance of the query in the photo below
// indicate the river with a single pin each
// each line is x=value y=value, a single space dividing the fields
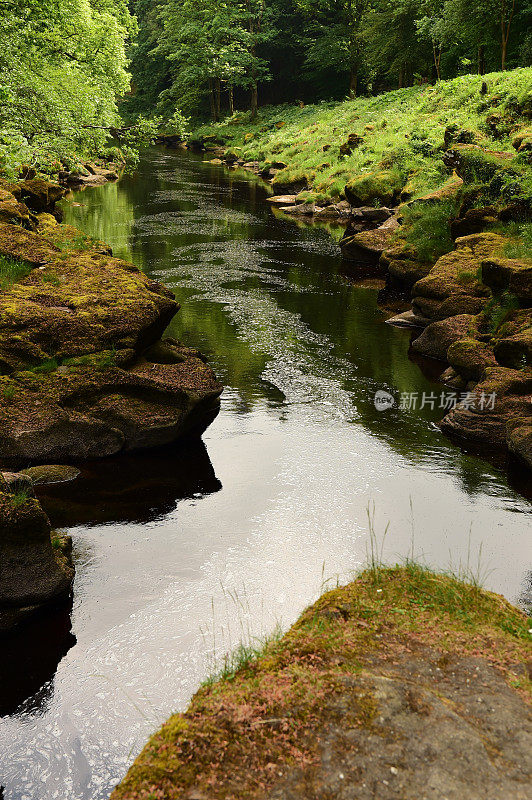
x=183 y=553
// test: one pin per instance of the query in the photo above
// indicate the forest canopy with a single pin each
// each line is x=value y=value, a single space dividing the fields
x=71 y=71
x=63 y=65
x=201 y=54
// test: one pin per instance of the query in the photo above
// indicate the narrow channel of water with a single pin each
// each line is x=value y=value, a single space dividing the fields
x=182 y=553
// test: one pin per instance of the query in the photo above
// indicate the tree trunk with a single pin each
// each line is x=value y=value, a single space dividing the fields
x=401 y=77
x=505 y=30
x=231 y=101
x=481 y=59
x=437 y=60
x=212 y=101
x=218 y=91
x=353 y=82
x=254 y=100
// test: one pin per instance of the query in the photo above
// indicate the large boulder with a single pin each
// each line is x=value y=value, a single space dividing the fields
x=91 y=409
x=437 y=337
x=370 y=243
x=513 y=344
x=382 y=186
x=494 y=411
x=470 y=358
x=35 y=564
x=509 y=275
x=81 y=302
x=83 y=370
x=453 y=285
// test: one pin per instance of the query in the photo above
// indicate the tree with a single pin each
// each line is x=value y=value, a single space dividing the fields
x=210 y=45
x=62 y=67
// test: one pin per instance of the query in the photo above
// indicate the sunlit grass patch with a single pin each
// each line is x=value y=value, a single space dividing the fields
x=12 y=271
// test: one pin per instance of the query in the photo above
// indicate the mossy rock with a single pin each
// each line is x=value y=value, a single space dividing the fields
x=437 y=338
x=513 y=346
x=33 y=574
x=332 y=707
x=382 y=186
x=475 y=164
x=454 y=279
x=508 y=275
x=523 y=140
x=470 y=358
x=51 y=473
x=486 y=425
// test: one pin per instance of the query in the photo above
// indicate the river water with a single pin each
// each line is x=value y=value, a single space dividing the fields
x=183 y=553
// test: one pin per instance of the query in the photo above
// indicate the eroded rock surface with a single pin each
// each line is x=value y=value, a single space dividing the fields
x=83 y=370
x=399 y=685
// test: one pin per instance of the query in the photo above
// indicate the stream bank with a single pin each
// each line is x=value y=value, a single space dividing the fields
x=182 y=552
x=434 y=185
x=84 y=373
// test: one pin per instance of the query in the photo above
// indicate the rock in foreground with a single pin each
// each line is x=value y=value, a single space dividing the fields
x=35 y=563
x=404 y=684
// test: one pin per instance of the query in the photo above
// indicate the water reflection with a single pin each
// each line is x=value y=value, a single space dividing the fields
x=29 y=662
x=140 y=487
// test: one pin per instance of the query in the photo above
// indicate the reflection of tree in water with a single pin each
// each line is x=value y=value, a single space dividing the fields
x=212 y=238
x=138 y=487
x=29 y=662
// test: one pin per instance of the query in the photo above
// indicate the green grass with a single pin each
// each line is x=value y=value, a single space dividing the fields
x=402 y=130
x=20 y=497
x=521 y=244
x=12 y=271
x=427 y=227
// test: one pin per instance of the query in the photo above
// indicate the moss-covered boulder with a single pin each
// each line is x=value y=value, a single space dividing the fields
x=508 y=275
x=380 y=186
x=370 y=243
x=80 y=302
x=453 y=285
x=83 y=370
x=483 y=419
x=403 y=262
x=35 y=564
x=47 y=474
x=437 y=338
x=513 y=343
x=93 y=408
x=470 y=358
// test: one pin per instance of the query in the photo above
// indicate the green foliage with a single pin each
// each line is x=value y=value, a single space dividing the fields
x=20 y=497
x=498 y=310
x=521 y=244
x=12 y=271
x=402 y=132
x=427 y=227
x=62 y=66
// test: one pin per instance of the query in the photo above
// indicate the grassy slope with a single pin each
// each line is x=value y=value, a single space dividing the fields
x=402 y=130
x=385 y=611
